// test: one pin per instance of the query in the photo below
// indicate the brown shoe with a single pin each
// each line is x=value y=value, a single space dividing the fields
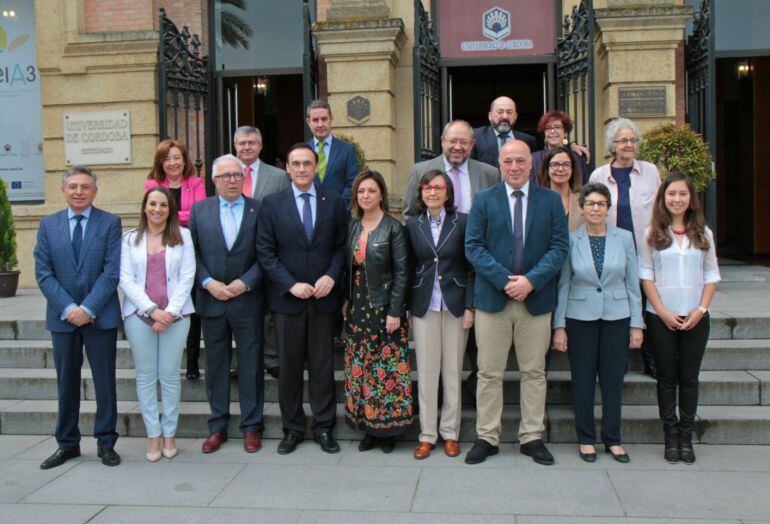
x=252 y=441
x=216 y=439
x=451 y=448
x=422 y=451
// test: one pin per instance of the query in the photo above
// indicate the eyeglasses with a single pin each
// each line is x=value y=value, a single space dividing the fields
x=626 y=141
x=556 y=166
x=228 y=176
x=554 y=127
x=437 y=188
x=595 y=203
x=459 y=142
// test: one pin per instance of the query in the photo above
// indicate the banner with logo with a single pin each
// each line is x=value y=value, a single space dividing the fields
x=21 y=132
x=496 y=28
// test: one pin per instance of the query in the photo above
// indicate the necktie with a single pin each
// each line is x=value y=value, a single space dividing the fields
x=518 y=234
x=77 y=237
x=454 y=174
x=228 y=226
x=321 y=160
x=503 y=138
x=247 y=182
x=307 y=216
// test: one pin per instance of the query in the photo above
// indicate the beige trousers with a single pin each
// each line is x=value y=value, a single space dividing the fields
x=439 y=341
x=531 y=336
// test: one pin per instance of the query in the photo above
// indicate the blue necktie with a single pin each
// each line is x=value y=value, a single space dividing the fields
x=77 y=237
x=229 y=228
x=307 y=216
x=518 y=235
x=503 y=138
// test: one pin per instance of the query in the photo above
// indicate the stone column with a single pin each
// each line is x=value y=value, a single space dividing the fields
x=361 y=45
x=639 y=62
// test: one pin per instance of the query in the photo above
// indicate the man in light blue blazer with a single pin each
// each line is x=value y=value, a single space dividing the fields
x=77 y=267
x=517 y=241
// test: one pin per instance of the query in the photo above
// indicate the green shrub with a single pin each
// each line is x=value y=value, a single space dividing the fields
x=360 y=156
x=673 y=146
x=7 y=231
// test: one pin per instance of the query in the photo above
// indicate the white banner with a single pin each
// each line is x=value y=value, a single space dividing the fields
x=21 y=133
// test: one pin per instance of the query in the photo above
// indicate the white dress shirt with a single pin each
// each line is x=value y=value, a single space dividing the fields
x=512 y=202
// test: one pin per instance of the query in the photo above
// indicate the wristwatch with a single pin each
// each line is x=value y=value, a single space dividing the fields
x=703 y=310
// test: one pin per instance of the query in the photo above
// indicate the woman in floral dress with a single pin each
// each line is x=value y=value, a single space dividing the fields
x=378 y=390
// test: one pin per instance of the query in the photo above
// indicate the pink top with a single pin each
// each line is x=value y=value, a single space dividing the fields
x=193 y=190
x=155 y=283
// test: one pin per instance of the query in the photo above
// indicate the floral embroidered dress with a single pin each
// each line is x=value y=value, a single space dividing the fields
x=378 y=389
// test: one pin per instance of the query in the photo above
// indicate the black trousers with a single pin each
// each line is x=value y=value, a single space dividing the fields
x=218 y=333
x=100 y=346
x=306 y=336
x=598 y=346
x=648 y=356
x=678 y=355
x=193 y=345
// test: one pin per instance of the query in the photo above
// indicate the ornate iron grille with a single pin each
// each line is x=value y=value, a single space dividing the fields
x=574 y=73
x=427 y=116
x=183 y=91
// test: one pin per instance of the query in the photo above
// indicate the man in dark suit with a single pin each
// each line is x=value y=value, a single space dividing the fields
x=337 y=161
x=517 y=240
x=224 y=231
x=260 y=179
x=502 y=116
x=77 y=267
x=301 y=245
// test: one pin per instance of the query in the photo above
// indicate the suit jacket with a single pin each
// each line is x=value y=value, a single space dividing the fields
x=92 y=281
x=447 y=259
x=585 y=296
x=287 y=257
x=482 y=177
x=216 y=261
x=180 y=275
x=341 y=169
x=489 y=247
x=486 y=149
x=269 y=180
x=193 y=190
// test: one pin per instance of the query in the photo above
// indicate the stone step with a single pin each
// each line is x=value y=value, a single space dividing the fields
x=718 y=388
x=721 y=355
x=715 y=424
x=723 y=326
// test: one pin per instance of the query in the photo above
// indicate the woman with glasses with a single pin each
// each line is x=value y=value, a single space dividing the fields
x=556 y=127
x=633 y=184
x=441 y=308
x=557 y=172
x=598 y=317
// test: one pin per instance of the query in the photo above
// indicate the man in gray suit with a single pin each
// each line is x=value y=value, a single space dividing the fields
x=467 y=175
x=260 y=180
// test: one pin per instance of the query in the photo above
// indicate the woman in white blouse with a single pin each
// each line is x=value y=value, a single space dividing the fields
x=679 y=273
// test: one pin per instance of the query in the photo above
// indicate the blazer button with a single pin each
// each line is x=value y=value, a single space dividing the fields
x=439 y=277
x=435 y=259
x=598 y=290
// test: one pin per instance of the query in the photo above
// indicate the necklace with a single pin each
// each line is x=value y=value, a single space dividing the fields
x=679 y=231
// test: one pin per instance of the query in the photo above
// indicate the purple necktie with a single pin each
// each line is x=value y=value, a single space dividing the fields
x=454 y=174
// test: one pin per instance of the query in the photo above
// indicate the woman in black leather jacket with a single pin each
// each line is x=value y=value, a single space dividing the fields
x=378 y=391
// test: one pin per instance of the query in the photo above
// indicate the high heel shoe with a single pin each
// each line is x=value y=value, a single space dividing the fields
x=153 y=456
x=167 y=452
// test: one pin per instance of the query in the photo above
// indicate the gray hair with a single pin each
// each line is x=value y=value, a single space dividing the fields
x=77 y=170
x=614 y=127
x=225 y=158
x=594 y=187
x=319 y=104
x=247 y=130
x=457 y=121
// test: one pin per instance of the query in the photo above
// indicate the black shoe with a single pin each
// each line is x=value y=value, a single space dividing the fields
x=60 y=457
x=623 y=458
x=193 y=373
x=537 y=450
x=274 y=371
x=289 y=443
x=368 y=443
x=388 y=444
x=109 y=456
x=649 y=370
x=480 y=451
x=686 y=453
x=588 y=457
x=671 y=452
x=327 y=442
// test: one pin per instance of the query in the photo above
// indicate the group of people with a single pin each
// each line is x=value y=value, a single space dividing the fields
x=500 y=246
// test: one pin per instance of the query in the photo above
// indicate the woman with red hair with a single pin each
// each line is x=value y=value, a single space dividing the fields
x=556 y=127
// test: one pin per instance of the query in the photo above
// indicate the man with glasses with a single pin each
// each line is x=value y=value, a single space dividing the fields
x=224 y=231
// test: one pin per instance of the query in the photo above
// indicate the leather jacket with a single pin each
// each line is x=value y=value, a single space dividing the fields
x=387 y=264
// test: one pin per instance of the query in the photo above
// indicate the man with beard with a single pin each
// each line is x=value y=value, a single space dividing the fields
x=489 y=139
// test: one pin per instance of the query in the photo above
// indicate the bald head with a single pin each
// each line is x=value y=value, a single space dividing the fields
x=515 y=163
x=502 y=114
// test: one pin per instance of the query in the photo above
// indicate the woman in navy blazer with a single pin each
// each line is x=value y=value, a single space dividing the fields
x=598 y=316
x=441 y=305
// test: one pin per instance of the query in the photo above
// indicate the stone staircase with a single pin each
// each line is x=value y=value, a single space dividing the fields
x=734 y=395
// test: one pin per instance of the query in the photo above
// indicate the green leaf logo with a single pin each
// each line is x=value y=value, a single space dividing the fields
x=18 y=42
x=2 y=39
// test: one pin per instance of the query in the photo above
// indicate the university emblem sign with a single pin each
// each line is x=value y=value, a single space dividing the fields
x=359 y=110
x=496 y=23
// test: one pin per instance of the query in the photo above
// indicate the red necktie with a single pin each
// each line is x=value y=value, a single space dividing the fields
x=247 y=182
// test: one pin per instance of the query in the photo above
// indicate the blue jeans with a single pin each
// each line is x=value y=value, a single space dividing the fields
x=157 y=357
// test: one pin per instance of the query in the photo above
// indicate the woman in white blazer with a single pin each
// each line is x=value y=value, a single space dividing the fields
x=599 y=313
x=157 y=270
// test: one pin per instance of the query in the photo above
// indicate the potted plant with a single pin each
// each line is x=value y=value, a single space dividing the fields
x=677 y=146
x=9 y=278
